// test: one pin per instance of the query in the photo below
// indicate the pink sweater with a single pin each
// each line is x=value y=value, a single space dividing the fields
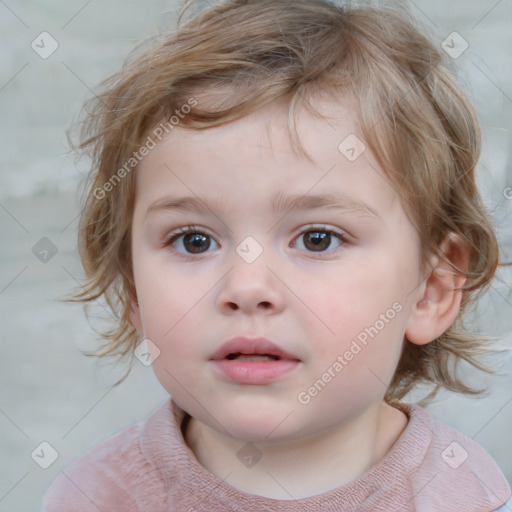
x=148 y=468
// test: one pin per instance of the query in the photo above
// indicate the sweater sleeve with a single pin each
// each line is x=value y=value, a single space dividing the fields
x=103 y=480
x=67 y=495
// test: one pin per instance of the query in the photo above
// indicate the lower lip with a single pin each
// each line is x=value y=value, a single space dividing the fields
x=254 y=372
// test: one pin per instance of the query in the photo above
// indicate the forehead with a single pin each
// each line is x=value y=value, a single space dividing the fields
x=255 y=156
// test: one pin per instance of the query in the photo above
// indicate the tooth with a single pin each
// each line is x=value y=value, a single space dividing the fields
x=254 y=357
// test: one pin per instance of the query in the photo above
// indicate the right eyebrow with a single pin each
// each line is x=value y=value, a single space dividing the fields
x=189 y=203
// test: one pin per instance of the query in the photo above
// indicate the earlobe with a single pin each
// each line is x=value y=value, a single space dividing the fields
x=438 y=306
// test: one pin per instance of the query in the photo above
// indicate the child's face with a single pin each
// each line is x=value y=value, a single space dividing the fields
x=339 y=307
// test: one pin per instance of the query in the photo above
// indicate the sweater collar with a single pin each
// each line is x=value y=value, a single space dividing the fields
x=163 y=444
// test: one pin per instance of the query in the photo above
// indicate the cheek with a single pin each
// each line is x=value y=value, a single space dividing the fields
x=171 y=322
x=359 y=313
x=167 y=299
x=352 y=296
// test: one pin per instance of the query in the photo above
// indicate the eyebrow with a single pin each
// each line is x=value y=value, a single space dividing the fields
x=281 y=204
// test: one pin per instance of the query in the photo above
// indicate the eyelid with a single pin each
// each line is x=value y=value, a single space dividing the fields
x=323 y=227
x=310 y=227
x=186 y=230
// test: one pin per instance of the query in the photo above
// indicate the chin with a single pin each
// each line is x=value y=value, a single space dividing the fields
x=266 y=425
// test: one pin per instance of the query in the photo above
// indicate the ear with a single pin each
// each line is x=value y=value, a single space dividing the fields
x=136 y=318
x=440 y=294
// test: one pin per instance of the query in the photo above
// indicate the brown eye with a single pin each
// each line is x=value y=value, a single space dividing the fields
x=196 y=243
x=319 y=240
x=189 y=241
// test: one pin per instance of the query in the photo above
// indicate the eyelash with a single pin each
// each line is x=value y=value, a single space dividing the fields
x=188 y=230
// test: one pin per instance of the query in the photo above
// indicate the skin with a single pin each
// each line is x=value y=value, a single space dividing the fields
x=311 y=303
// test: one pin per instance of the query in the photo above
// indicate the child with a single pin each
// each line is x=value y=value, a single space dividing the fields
x=284 y=207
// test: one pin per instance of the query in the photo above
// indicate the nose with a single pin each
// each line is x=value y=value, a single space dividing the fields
x=250 y=288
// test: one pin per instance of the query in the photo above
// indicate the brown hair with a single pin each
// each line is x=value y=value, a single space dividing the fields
x=245 y=54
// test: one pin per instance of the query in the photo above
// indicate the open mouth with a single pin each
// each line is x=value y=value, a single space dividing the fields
x=251 y=357
x=253 y=361
x=251 y=350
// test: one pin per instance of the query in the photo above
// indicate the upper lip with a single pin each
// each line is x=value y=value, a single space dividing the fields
x=249 y=346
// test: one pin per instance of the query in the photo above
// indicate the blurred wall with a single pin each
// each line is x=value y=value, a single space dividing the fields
x=53 y=55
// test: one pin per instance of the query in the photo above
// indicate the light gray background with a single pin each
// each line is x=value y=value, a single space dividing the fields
x=49 y=391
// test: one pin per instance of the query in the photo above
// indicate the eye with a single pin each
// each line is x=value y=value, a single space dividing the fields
x=320 y=240
x=190 y=240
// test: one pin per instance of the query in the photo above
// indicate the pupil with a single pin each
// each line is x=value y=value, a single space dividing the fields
x=194 y=242
x=319 y=240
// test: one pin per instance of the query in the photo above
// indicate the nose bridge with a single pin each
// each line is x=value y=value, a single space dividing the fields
x=250 y=285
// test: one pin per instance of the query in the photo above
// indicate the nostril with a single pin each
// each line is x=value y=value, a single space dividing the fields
x=263 y=305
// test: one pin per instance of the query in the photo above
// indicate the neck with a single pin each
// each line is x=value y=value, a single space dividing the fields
x=285 y=470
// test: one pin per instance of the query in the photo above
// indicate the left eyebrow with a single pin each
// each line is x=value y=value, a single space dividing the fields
x=344 y=203
x=281 y=203
x=189 y=203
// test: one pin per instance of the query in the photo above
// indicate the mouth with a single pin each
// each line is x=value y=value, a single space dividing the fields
x=252 y=349
x=255 y=361
x=252 y=357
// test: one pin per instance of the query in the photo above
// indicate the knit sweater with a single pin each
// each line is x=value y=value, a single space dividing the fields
x=148 y=467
